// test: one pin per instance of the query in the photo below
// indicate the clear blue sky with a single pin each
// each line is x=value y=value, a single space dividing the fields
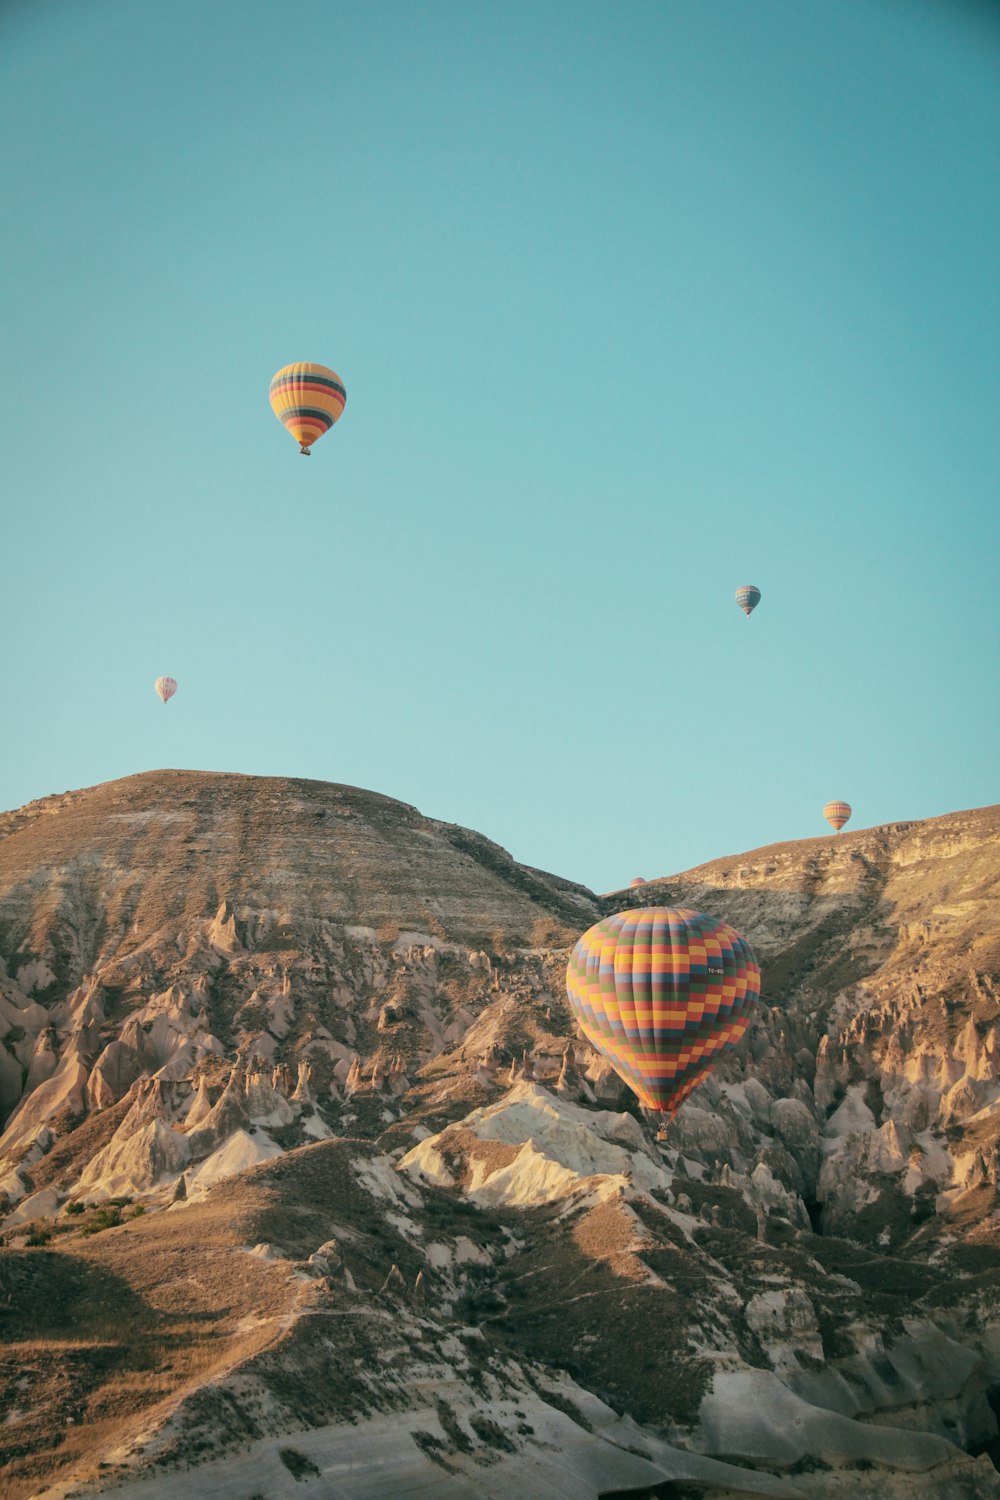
x=634 y=304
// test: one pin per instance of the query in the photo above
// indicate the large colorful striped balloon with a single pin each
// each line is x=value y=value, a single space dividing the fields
x=660 y=992
x=166 y=687
x=837 y=814
x=308 y=399
x=748 y=598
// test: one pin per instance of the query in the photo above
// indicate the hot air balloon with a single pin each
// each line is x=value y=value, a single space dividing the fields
x=166 y=687
x=660 y=992
x=637 y=881
x=748 y=598
x=837 y=814
x=308 y=399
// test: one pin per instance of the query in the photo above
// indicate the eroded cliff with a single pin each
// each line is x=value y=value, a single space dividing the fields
x=398 y=1221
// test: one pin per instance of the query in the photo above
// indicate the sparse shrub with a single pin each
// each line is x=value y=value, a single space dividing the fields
x=297 y=1463
x=66 y=1121
x=561 y=1403
x=432 y=1446
x=38 y=1237
x=924 y=1204
x=108 y=1217
x=456 y=1433
x=488 y=1432
x=479 y=1303
x=75 y=1208
x=138 y=1211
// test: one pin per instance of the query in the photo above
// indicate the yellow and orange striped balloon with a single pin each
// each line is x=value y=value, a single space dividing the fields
x=837 y=814
x=308 y=399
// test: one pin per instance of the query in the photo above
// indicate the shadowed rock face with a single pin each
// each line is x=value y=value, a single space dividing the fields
x=322 y=1042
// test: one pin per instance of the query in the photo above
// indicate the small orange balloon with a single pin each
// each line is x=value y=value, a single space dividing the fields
x=837 y=814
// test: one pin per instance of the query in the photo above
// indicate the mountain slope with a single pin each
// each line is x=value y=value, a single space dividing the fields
x=400 y=1226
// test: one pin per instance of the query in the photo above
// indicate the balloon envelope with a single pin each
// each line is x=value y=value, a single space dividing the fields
x=748 y=598
x=166 y=687
x=837 y=814
x=660 y=991
x=637 y=881
x=308 y=399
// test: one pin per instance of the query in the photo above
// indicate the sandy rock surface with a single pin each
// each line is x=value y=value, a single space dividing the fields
x=307 y=1174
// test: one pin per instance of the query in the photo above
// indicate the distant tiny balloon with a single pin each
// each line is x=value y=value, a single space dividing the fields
x=639 y=880
x=837 y=814
x=166 y=687
x=748 y=598
x=308 y=399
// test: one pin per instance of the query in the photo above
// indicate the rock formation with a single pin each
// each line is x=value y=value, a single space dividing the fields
x=302 y=1154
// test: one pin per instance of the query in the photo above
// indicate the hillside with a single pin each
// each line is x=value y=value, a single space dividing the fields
x=306 y=1171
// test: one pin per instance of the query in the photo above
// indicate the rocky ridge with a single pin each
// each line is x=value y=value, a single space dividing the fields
x=320 y=1042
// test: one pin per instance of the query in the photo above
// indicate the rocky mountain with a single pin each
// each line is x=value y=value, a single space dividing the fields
x=310 y=1182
